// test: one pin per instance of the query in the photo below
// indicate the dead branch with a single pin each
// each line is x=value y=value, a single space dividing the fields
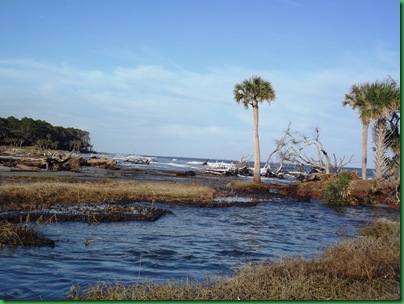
x=294 y=147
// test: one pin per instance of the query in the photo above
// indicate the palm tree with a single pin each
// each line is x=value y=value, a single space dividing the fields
x=251 y=92
x=375 y=102
x=357 y=99
x=384 y=98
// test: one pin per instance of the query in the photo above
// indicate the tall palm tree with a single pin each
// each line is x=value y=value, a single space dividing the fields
x=384 y=98
x=251 y=92
x=357 y=99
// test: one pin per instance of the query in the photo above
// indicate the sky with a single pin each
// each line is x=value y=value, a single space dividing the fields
x=156 y=77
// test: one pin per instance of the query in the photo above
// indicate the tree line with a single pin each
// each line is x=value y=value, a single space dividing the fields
x=30 y=132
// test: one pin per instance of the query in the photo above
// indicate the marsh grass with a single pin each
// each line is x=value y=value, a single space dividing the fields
x=23 y=234
x=43 y=194
x=364 y=268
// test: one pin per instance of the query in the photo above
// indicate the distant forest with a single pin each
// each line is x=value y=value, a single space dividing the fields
x=29 y=132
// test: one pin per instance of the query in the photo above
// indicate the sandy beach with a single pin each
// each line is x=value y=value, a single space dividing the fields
x=88 y=173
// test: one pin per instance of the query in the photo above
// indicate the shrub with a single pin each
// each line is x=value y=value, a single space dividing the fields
x=337 y=190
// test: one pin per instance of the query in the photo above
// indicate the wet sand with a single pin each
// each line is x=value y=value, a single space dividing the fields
x=93 y=173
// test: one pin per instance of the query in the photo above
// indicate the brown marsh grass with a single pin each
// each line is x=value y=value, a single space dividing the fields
x=23 y=234
x=364 y=268
x=42 y=194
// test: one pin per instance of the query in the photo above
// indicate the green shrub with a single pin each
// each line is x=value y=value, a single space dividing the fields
x=337 y=190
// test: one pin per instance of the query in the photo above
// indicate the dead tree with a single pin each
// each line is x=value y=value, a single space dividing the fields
x=244 y=160
x=281 y=144
x=293 y=147
x=243 y=165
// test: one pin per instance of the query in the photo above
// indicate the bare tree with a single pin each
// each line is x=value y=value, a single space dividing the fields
x=244 y=160
x=281 y=143
x=293 y=147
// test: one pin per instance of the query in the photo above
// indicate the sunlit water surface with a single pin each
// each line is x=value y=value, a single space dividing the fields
x=192 y=243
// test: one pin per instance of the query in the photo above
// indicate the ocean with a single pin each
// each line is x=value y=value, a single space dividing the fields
x=188 y=163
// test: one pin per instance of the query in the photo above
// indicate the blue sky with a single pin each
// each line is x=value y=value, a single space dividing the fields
x=156 y=76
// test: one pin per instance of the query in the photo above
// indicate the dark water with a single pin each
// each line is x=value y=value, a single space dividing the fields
x=192 y=243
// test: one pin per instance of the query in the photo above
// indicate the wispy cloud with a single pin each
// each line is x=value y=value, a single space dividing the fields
x=167 y=110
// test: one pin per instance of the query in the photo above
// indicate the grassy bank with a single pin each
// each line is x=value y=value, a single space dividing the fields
x=42 y=194
x=364 y=268
x=22 y=234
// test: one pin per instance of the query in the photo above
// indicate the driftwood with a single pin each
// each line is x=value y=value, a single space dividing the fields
x=102 y=163
x=27 y=168
x=36 y=160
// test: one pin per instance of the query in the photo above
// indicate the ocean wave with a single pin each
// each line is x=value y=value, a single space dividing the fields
x=195 y=162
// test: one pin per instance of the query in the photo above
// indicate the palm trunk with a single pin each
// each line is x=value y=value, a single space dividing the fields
x=379 y=135
x=257 y=157
x=365 y=132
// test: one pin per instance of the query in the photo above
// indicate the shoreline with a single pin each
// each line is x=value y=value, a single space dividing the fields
x=32 y=195
x=88 y=173
x=33 y=164
x=221 y=184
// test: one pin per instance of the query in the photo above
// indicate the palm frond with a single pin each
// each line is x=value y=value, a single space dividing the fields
x=253 y=90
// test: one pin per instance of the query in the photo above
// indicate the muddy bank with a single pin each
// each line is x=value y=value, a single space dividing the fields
x=219 y=184
x=361 y=192
x=91 y=216
x=22 y=234
x=224 y=186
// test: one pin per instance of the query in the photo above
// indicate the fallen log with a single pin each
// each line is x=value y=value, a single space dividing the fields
x=33 y=160
x=73 y=164
x=103 y=163
x=23 y=167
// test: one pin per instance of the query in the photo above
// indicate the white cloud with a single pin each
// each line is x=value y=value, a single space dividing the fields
x=168 y=110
